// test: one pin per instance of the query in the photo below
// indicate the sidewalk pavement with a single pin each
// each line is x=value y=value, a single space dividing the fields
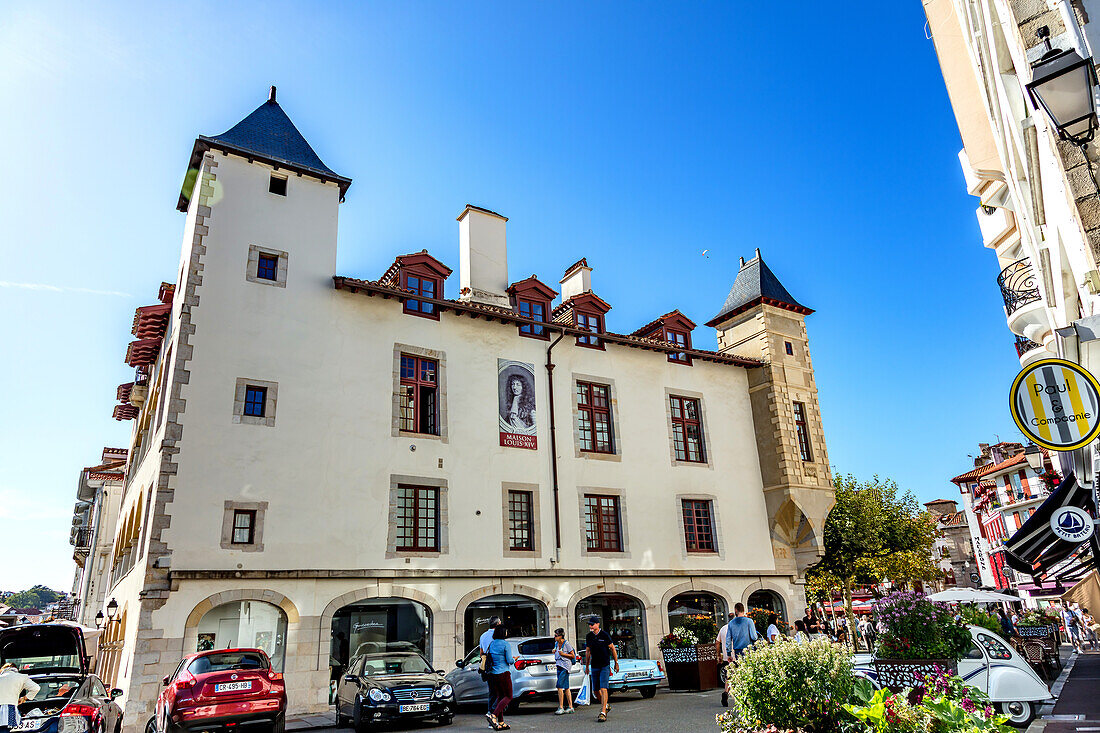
x=1077 y=709
x=307 y=722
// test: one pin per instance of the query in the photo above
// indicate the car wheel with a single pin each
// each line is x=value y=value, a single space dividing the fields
x=649 y=691
x=1019 y=713
x=446 y=720
x=151 y=726
x=279 y=726
x=357 y=722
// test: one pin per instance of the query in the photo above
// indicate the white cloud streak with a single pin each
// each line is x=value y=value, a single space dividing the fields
x=43 y=287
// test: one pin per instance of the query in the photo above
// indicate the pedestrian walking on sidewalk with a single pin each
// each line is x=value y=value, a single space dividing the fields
x=484 y=642
x=500 y=677
x=1073 y=629
x=15 y=687
x=599 y=649
x=723 y=662
x=564 y=657
x=800 y=636
x=772 y=633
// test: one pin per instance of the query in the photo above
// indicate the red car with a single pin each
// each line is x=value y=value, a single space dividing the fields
x=222 y=691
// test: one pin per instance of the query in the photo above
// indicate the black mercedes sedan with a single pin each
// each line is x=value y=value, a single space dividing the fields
x=71 y=699
x=391 y=687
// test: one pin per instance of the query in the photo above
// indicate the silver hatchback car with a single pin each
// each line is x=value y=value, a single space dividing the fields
x=534 y=675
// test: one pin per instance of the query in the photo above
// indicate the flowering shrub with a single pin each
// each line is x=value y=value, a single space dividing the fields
x=705 y=630
x=945 y=705
x=727 y=723
x=1038 y=617
x=760 y=616
x=680 y=638
x=790 y=686
x=913 y=627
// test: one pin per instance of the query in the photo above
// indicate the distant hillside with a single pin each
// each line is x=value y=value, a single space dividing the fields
x=38 y=597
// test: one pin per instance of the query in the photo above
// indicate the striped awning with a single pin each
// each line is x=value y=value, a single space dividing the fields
x=1035 y=549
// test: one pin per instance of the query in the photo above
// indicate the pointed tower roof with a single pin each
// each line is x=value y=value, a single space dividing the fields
x=267 y=135
x=756 y=283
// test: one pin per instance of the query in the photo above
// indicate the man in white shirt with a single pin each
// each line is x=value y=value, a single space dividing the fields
x=14 y=687
x=723 y=665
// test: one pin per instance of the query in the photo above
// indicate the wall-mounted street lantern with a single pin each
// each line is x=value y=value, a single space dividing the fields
x=111 y=618
x=1034 y=458
x=1062 y=84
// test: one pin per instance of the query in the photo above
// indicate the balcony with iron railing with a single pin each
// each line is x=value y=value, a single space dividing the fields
x=81 y=539
x=1018 y=286
x=1024 y=345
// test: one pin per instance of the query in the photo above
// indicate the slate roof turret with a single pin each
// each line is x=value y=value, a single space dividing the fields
x=756 y=283
x=267 y=135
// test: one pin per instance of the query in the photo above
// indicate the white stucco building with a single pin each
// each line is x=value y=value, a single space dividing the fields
x=98 y=495
x=322 y=462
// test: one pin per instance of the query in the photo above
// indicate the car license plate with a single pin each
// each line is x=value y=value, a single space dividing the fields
x=27 y=724
x=420 y=707
x=635 y=675
x=232 y=686
x=550 y=668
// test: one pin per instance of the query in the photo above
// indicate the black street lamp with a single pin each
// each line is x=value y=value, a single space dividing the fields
x=1062 y=84
x=112 y=610
x=99 y=622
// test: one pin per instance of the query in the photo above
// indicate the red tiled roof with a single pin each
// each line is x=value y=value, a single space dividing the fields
x=123 y=392
x=504 y=314
x=389 y=277
x=582 y=262
x=953 y=519
x=142 y=351
x=104 y=476
x=660 y=322
x=151 y=321
x=124 y=412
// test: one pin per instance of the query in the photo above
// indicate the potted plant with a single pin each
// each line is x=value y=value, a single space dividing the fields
x=760 y=618
x=691 y=656
x=916 y=638
x=1036 y=623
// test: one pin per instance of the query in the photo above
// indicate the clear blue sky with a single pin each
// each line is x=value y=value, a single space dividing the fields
x=635 y=134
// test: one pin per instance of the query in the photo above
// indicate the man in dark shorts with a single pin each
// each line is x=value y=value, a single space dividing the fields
x=599 y=649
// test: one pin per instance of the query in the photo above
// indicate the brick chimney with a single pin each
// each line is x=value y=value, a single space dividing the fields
x=483 y=257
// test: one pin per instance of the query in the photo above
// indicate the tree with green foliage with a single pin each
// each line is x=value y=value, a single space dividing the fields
x=873 y=531
x=38 y=596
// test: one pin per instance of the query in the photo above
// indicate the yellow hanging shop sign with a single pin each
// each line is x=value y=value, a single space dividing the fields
x=1056 y=403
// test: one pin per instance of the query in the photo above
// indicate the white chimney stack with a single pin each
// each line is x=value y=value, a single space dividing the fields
x=577 y=280
x=483 y=257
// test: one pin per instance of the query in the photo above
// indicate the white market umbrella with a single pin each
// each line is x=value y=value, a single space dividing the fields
x=687 y=611
x=971 y=595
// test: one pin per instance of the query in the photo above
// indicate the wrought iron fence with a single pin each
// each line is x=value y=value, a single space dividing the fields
x=1018 y=287
x=1024 y=345
x=82 y=538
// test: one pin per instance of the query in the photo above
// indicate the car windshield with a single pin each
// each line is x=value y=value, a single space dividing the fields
x=382 y=665
x=227 y=660
x=55 y=687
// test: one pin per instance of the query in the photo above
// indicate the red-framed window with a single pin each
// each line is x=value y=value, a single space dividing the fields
x=537 y=310
x=417 y=519
x=602 y=530
x=592 y=322
x=424 y=286
x=681 y=339
x=419 y=407
x=1017 y=520
x=687 y=429
x=521 y=521
x=594 y=409
x=698 y=525
x=802 y=430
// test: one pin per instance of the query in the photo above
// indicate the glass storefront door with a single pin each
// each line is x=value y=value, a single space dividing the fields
x=696 y=606
x=245 y=624
x=622 y=616
x=378 y=625
x=522 y=616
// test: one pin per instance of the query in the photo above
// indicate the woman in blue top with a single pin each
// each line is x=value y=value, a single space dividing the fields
x=500 y=677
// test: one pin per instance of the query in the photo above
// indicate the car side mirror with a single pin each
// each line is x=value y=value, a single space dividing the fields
x=116 y=692
x=164 y=680
x=460 y=664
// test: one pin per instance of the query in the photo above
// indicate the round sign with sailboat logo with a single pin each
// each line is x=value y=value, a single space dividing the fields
x=1056 y=404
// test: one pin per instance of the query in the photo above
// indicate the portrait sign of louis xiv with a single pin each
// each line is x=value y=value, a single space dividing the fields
x=516 y=404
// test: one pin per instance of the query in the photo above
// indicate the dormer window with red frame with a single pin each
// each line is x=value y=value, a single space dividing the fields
x=532 y=299
x=588 y=310
x=675 y=328
x=422 y=275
